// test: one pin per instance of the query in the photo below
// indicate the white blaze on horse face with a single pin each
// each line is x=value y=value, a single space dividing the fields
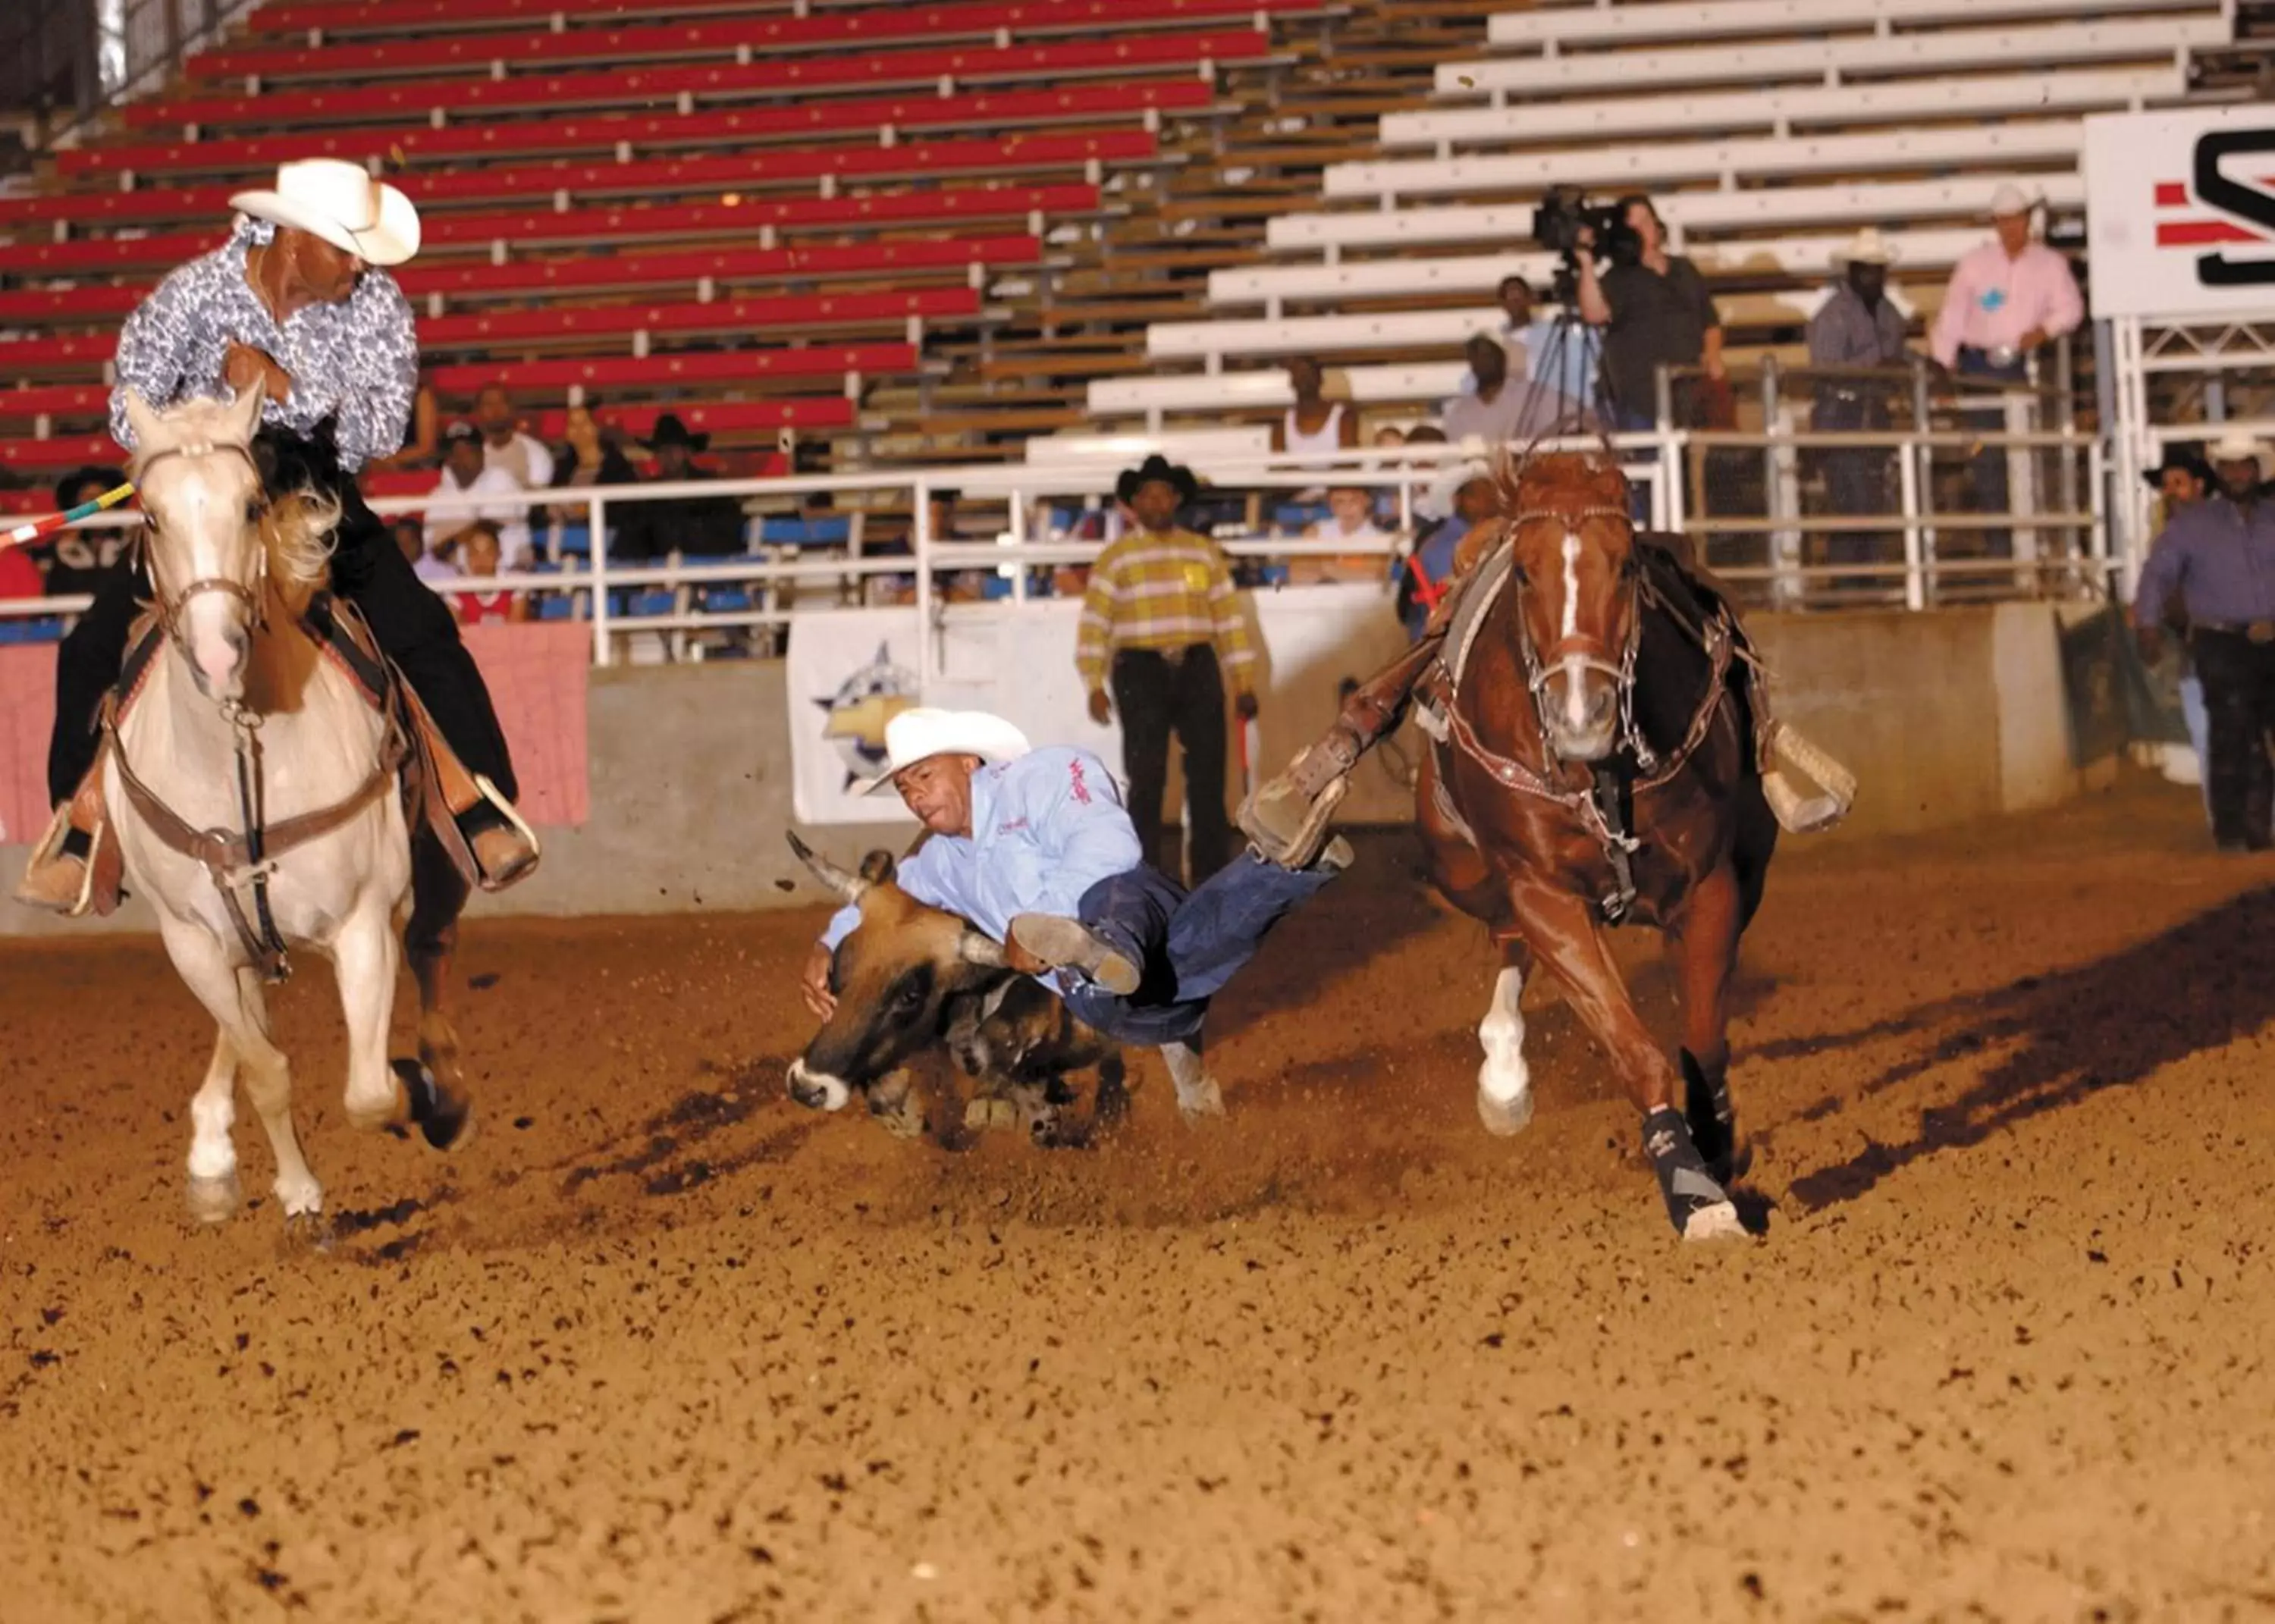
x=216 y=625
x=1571 y=583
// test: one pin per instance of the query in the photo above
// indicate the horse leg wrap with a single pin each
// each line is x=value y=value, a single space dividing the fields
x=1699 y=1207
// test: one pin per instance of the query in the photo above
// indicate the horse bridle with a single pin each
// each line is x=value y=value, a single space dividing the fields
x=254 y=597
x=1538 y=672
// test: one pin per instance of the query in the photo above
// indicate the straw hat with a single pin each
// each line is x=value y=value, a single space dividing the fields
x=2235 y=448
x=1867 y=247
x=337 y=202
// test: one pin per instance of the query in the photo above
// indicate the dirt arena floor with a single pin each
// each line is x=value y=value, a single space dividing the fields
x=661 y=1345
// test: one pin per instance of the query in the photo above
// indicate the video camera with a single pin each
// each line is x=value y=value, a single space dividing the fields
x=1565 y=212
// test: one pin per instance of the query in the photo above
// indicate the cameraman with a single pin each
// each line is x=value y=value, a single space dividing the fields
x=1655 y=310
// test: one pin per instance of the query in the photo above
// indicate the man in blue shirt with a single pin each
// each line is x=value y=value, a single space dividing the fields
x=2217 y=558
x=1465 y=494
x=1034 y=848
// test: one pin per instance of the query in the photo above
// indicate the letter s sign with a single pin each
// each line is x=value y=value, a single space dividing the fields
x=2236 y=199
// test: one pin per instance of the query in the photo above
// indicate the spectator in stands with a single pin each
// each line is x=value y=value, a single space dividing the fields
x=84 y=558
x=590 y=456
x=1389 y=437
x=481 y=549
x=1545 y=353
x=1162 y=623
x=693 y=526
x=1857 y=328
x=1314 y=429
x=465 y=474
x=422 y=437
x=1350 y=518
x=411 y=540
x=504 y=445
x=2180 y=481
x=1464 y=495
x=1498 y=410
x=1655 y=311
x=2005 y=301
x=2216 y=564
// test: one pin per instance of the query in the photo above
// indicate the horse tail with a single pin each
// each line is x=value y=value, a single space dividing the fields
x=299 y=532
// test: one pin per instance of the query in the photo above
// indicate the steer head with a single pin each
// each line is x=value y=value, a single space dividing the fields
x=894 y=978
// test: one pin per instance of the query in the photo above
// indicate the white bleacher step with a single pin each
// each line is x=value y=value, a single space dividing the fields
x=1406 y=382
x=1730 y=112
x=1935 y=52
x=1565 y=25
x=1867 y=203
x=1619 y=167
x=1809 y=256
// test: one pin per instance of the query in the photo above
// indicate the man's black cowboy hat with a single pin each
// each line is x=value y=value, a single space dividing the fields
x=2189 y=462
x=670 y=431
x=1157 y=467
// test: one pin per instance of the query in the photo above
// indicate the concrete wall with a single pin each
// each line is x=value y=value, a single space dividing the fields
x=1945 y=718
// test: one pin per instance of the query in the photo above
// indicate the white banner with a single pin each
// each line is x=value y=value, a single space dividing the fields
x=851 y=672
x=2181 y=212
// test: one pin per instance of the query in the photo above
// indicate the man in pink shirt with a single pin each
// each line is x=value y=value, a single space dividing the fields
x=2005 y=298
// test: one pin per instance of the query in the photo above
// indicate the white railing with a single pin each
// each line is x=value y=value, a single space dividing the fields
x=2079 y=557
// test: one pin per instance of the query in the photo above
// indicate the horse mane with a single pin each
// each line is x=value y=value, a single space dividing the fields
x=1563 y=480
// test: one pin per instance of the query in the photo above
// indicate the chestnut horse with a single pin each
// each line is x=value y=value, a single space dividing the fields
x=1597 y=767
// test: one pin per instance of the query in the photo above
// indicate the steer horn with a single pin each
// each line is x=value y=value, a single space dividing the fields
x=849 y=887
x=977 y=947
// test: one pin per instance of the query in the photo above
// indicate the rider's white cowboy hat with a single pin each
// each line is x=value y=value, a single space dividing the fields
x=1867 y=247
x=2237 y=448
x=337 y=202
x=924 y=732
x=1450 y=480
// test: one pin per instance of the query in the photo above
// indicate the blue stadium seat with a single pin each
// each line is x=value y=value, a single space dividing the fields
x=835 y=530
x=35 y=629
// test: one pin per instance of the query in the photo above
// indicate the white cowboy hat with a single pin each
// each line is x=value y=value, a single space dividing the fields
x=1448 y=485
x=1867 y=247
x=919 y=734
x=2010 y=199
x=337 y=202
x=2235 y=447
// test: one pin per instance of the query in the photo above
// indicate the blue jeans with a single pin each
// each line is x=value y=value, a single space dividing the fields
x=1187 y=946
x=2199 y=721
x=1986 y=475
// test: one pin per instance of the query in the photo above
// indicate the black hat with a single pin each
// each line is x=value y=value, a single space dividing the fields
x=670 y=431
x=2188 y=462
x=79 y=479
x=1157 y=467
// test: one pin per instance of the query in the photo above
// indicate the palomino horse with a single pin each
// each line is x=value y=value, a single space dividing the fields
x=1597 y=764
x=254 y=792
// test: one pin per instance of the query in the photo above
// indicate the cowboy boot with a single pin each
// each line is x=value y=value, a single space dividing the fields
x=1285 y=818
x=60 y=877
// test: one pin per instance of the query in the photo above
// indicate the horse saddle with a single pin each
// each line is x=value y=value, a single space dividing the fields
x=427 y=767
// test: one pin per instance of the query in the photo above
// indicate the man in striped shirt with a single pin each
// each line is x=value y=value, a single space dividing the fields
x=1163 y=623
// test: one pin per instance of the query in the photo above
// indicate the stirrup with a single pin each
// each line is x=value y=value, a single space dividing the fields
x=1798 y=813
x=505 y=809
x=1287 y=827
x=49 y=856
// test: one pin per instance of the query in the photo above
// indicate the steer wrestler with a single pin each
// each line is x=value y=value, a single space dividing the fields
x=1034 y=848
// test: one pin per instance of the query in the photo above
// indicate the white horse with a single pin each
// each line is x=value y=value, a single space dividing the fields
x=242 y=704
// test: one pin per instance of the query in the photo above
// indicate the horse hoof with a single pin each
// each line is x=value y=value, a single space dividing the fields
x=215 y=1201
x=1204 y=1099
x=307 y=1231
x=988 y=1115
x=1716 y=1221
x=445 y=1119
x=1505 y=1117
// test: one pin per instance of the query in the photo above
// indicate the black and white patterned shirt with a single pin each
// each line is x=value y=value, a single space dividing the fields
x=357 y=360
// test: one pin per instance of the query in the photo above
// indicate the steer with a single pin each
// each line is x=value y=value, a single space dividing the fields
x=909 y=977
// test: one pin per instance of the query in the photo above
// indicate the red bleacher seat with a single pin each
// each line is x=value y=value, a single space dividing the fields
x=381 y=484
x=738 y=37
x=410 y=145
x=726 y=315
x=610 y=374
x=635 y=86
x=54 y=400
x=657 y=178
x=357 y=17
x=66 y=451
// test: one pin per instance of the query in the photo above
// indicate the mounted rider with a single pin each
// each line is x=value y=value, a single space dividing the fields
x=1288 y=817
x=298 y=302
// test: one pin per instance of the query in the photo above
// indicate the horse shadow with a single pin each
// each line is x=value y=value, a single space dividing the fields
x=2073 y=1033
